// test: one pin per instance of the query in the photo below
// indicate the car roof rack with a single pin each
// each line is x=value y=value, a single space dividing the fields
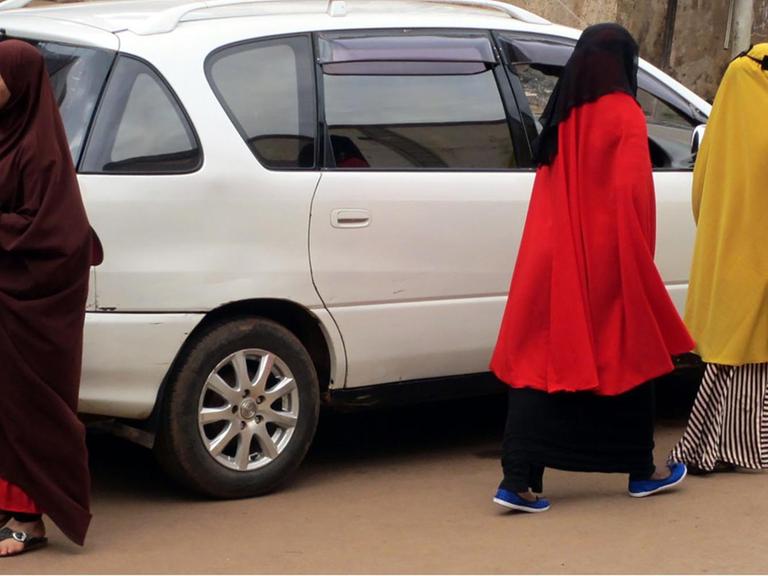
x=339 y=8
x=13 y=4
x=509 y=9
x=167 y=20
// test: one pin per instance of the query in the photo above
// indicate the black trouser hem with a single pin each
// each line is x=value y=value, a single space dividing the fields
x=23 y=516
x=522 y=476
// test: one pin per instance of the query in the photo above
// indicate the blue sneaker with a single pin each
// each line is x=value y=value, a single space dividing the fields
x=641 y=488
x=513 y=501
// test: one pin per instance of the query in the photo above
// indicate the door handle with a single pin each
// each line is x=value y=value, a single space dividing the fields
x=350 y=218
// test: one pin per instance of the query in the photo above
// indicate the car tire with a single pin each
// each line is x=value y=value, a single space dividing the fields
x=224 y=439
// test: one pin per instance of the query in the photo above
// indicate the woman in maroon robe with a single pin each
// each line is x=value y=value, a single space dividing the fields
x=46 y=250
x=588 y=322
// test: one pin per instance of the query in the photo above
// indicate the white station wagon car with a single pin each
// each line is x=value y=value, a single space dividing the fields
x=308 y=202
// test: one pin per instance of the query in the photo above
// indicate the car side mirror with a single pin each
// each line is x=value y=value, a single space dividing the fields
x=697 y=137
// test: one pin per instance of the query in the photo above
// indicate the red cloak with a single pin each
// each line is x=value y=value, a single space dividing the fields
x=587 y=308
x=46 y=250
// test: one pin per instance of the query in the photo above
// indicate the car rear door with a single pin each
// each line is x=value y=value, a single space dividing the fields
x=419 y=212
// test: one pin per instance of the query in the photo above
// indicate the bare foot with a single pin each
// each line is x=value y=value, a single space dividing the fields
x=10 y=547
x=529 y=496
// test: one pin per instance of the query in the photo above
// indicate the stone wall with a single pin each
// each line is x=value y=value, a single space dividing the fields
x=647 y=22
x=760 y=30
x=575 y=13
x=697 y=56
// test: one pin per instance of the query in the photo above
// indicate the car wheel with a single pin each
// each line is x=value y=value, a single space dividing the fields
x=240 y=411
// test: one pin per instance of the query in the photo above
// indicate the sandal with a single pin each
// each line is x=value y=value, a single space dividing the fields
x=30 y=542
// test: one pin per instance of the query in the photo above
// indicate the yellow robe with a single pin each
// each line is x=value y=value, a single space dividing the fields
x=727 y=308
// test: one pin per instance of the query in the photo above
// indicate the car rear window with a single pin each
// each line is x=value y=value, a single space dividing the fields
x=267 y=88
x=141 y=127
x=77 y=76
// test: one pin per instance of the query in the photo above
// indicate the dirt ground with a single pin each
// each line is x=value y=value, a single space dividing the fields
x=409 y=490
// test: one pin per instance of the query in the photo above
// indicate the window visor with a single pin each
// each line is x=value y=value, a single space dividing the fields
x=405 y=53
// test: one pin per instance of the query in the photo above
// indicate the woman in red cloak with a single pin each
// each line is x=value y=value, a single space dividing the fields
x=46 y=250
x=588 y=322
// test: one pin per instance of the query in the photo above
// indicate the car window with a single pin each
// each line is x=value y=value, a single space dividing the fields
x=538 y=82
x=140 y=127
x=267 y=88
x=77 y=77
x=537 y=64
x=388 y=108
x=670 y=130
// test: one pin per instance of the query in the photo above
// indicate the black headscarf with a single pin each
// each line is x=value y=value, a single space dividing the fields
x=604 y=61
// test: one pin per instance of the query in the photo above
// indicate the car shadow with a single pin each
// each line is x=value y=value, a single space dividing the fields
x=345 y=440
x=119 y=467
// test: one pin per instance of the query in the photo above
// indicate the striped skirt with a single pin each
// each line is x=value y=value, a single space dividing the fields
x=729 y=420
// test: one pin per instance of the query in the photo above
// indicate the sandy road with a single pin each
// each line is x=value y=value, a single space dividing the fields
x=408 y=490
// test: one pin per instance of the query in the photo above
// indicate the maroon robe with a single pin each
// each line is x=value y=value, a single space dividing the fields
x=46 y=250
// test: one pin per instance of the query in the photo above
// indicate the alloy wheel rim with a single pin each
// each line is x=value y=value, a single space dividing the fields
x=248 y=409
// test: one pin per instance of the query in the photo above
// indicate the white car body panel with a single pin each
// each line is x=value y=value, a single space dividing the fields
x=417 y=294
x=435 y=262
x=127 y=357
x=230 y=246
x=29 y=24
x=675 y=231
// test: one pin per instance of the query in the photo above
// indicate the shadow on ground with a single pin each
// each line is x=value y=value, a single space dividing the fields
x=343 y=439
x=121 y=469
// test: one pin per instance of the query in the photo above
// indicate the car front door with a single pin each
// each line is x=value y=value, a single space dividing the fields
x=535 y=61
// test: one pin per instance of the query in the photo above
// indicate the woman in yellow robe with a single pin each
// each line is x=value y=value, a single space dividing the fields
x=727 y=308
